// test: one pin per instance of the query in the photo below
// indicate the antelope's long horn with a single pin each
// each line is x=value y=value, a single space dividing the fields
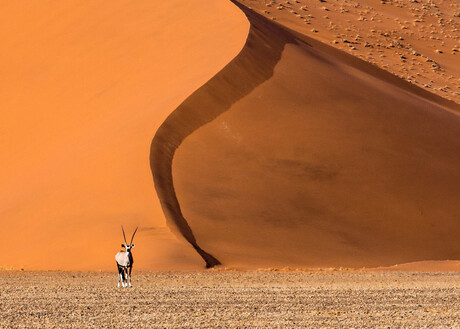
x=124 y=235
x=133 y=235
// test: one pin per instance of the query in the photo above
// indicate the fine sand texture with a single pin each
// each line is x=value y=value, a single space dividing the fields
x=297 y=153
x=230 y=300
x=83 y=88
x=415 y=40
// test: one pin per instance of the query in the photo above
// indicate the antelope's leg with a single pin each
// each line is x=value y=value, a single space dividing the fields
x=119 y=274
x=129 y=276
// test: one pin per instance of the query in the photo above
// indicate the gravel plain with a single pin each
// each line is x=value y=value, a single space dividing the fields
x=226 y=299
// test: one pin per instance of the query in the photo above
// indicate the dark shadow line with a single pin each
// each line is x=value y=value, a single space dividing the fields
x=252 y=66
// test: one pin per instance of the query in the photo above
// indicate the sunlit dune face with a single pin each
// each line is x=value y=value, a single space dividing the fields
x=83 y=88
x=415 y=40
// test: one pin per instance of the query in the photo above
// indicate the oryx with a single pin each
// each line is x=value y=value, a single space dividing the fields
x=125 y=261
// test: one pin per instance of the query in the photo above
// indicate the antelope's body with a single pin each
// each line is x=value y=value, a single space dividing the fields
x=124 y=259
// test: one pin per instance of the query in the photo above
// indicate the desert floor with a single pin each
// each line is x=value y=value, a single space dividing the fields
x=321 y=299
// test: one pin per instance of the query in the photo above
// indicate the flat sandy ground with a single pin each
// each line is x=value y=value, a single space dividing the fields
x=216 y=299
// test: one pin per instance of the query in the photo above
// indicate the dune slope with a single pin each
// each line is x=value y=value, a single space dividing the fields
x=83 y=88
x=298 y=154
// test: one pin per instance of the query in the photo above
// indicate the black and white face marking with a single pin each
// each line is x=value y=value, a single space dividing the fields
x=128 y=247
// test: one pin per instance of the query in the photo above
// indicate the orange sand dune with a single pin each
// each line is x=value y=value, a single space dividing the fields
x=299 y=154
x=415 y=40
x=83 y=88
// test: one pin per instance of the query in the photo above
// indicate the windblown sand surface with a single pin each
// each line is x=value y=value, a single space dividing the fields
x=230 y=300
x=299 y=154
x=83 y=88
x=415 y=40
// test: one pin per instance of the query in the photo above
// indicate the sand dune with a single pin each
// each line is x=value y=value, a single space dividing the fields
x=83 y=88
x=290 y=152
x=415 y=40
x=250 y=68
x=297 y=153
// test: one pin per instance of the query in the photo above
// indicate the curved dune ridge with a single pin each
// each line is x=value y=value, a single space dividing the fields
x=83 y=88
x=298 y=154
x=237 y=80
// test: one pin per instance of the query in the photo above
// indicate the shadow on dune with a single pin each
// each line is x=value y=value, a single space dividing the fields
x=251 y=68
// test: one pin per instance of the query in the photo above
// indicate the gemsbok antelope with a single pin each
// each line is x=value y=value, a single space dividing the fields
x=125 y=261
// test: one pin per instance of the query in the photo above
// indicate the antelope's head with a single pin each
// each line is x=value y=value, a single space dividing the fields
x=125 y=245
